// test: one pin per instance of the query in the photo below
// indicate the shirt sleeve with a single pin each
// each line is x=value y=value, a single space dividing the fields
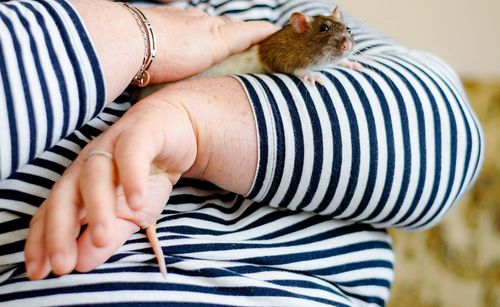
x=393 y=144
x=50 y=79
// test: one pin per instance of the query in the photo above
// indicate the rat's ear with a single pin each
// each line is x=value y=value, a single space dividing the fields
x=299 y=22
x=336 y=13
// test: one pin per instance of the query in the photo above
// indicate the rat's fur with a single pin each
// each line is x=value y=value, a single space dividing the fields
x=289 y=50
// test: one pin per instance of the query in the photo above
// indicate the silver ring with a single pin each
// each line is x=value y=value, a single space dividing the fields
x=99 y=153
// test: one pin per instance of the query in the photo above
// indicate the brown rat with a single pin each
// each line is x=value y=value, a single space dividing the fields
x=306 y=43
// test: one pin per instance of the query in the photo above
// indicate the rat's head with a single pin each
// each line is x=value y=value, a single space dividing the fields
x=330 y=39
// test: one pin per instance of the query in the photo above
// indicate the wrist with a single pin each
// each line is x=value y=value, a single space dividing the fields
x=160 y=25
x=118 y=44
x=224 y=125
x=187 y=101
x=142 y=77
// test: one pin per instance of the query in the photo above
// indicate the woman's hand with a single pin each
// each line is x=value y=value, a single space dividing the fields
x=152 y=145
x=190 y=41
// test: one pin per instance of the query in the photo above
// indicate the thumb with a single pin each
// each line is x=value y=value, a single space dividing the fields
x=238 y=36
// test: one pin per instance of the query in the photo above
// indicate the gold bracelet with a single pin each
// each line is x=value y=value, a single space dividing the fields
x=142 y=77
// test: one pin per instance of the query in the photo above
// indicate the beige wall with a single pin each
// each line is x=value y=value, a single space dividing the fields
x=464 y=33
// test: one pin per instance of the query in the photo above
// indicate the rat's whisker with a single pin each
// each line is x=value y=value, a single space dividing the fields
x=330 y=57
x=325 y=59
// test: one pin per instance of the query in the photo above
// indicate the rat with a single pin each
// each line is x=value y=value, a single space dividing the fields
x=156 y=246
x=306 y=43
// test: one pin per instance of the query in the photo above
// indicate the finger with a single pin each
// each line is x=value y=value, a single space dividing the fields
x=134 y=152
x=62 y=221
x=91 y=256
x=238 y=36
x=98 y=189
x=35 y=252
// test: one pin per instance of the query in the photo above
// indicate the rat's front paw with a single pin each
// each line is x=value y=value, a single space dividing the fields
x=350 y=64
x=308 y=77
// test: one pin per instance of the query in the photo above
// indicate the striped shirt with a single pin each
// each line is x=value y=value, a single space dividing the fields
x=395 y=144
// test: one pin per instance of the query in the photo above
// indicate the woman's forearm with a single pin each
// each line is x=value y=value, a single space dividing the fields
x=117 y=40
x=225 y=128
x=356 y=148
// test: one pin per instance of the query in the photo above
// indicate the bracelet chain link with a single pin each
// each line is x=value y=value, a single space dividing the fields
x=142 y=77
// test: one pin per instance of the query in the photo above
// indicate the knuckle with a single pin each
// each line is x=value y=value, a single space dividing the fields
x=214 y=28
x=36 y=219
x=53 y=247
x=53 y=242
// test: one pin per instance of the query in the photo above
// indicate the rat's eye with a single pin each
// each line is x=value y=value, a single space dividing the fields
x=349 y=30
x=324 y=28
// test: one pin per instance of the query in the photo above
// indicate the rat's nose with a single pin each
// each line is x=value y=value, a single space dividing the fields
x=346 y=44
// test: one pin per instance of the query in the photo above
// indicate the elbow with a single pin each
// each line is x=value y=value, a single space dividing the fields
x=454 y=157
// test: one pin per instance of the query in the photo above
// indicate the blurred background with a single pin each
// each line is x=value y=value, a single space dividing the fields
x=456 y=263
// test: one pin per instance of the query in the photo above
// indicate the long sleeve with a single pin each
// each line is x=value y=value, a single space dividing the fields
x=393 y=144
x=50 y=79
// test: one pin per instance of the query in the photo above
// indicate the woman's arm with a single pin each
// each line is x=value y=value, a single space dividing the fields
x=224 y=125
x=395 y=144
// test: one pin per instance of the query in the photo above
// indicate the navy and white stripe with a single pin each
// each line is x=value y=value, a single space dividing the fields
x=395 y=144
x=51 y=81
